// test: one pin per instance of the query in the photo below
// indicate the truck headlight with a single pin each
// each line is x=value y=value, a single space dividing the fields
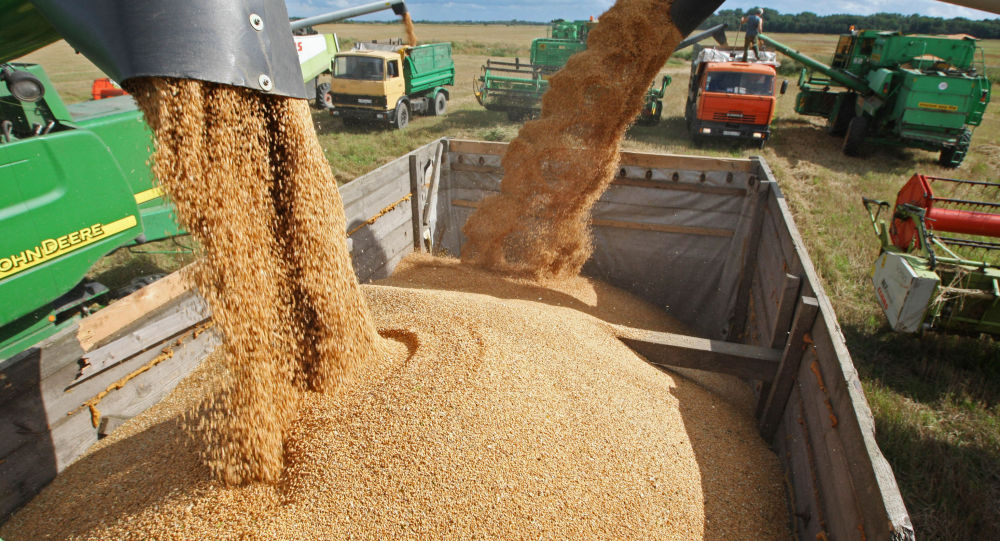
x=706 y=130
x=757 y=135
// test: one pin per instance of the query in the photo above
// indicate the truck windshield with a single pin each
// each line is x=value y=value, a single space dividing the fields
x=735 y=82
x=358 y=67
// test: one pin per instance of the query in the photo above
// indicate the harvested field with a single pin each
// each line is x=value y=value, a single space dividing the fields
x=507 y=410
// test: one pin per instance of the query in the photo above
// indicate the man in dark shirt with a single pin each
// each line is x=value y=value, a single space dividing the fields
x=755 y=25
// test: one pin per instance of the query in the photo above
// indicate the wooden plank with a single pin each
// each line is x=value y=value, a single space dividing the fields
x=677 y=350
x=879 y=496
x=363 y=234
x=786 y=308
x=416 y=202
x=641 y=159
x=107 y=321
x=476 y=168
x=680 y=162
x=678 y=229
x=188 y=314
x=832 y=466
x=370 y=264
x=771 y=406
x=751 y=244
x=875 y=484
x=464 y=146
x=679 y=186
x=792 y=448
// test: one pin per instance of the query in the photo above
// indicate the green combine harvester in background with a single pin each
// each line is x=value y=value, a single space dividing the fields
x=516 y=87
x=891 y=88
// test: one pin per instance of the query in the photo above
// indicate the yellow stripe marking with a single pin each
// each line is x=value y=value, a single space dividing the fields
x=938 y=106
x=49 y=249
x=148 y=195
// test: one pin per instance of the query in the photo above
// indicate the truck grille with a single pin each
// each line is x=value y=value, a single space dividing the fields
x=350 y=100
x=735 y=116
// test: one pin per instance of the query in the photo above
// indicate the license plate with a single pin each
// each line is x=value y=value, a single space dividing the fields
x=365 y=101
x=730 y=132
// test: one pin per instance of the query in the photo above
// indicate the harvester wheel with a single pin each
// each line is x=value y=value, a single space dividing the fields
x=953 y=157
x=845 y=113
x=324 y=100
x=440 y=104
x=855 y=137
x=402 y=116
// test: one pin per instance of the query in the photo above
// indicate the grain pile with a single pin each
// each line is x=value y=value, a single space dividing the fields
x=251 y=184
x=507 y=411
x=560 y=164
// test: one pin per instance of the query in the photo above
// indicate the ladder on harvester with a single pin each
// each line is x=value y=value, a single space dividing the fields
x=939 y=267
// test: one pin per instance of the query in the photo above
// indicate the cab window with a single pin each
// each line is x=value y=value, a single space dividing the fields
x=393 y=68
x=359 y=67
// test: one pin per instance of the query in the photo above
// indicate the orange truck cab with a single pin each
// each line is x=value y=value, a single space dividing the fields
x=732 y=99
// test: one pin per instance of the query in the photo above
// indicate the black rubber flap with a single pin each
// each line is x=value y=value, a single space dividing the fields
x=688 y=14
x=244 y=43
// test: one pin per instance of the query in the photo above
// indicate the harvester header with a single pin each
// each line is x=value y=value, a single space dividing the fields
x=938 y=267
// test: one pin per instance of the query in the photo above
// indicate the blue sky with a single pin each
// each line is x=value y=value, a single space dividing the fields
x=546 y=10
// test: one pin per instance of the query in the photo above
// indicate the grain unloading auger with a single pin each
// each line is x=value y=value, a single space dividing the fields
x=939 y=266
x=76 y=183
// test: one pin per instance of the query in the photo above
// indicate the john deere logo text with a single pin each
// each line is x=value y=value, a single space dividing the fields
x=49 y=249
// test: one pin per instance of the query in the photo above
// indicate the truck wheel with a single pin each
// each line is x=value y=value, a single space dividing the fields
x=440 y=104
x=402 y=116
x=324 y=100
x=845 y=113
x=855 y=137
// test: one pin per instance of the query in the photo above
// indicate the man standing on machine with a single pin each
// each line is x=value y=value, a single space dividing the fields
x=755 y=25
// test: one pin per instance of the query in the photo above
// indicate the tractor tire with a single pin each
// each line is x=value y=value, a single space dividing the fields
x=845 y=113
x=440 y=104
x=324 y=100
x=854 y=140
x=402 y=116
x=953 y=157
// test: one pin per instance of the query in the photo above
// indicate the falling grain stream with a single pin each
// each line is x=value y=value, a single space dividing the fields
x=496 y=406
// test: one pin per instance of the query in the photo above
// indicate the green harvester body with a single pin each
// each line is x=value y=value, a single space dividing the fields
x=891 y=88
x=516 y=87
x=76 y=186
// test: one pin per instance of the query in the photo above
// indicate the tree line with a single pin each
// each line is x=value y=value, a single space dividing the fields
x=810 y=23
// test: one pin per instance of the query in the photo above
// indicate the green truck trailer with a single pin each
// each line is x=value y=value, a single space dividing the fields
x=386 y=83
x=899 y=89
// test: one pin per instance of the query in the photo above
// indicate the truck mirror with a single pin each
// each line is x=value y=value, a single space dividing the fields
x=784 y=86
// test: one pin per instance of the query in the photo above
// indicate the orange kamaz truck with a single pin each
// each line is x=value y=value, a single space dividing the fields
x=731 y=99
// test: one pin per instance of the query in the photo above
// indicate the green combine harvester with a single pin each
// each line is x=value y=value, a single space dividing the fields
x=516 y=88
x=76 y=180
x=890 y=88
